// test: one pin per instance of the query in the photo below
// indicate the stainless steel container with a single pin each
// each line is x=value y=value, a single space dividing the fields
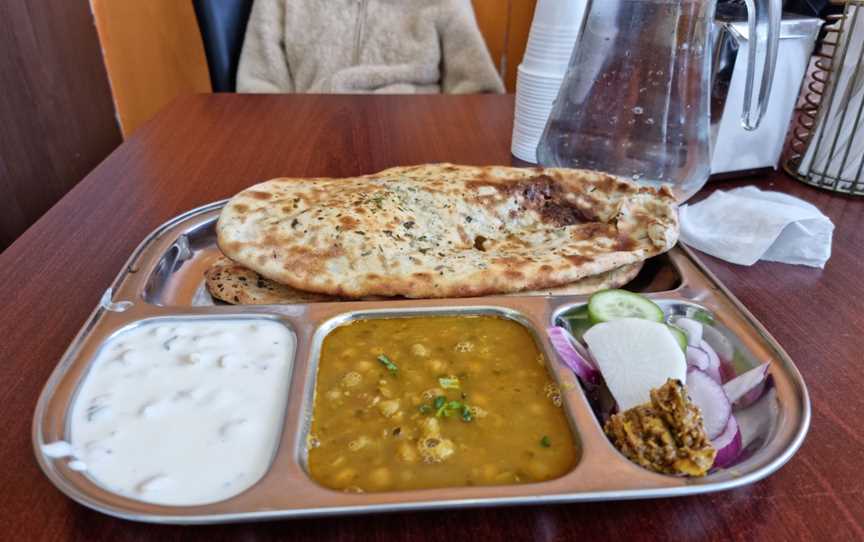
x=164 y=279
x=735 y=148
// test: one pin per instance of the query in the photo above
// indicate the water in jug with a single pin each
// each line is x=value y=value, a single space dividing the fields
x=635 y=99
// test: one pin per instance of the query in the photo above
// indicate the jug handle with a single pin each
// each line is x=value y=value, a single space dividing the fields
x=763 y=21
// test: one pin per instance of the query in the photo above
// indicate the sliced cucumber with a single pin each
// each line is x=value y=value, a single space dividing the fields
x=680 y=336
x=614 y=304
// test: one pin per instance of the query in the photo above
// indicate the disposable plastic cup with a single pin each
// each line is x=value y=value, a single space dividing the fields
x=539 y=77
x=552 y=15
x=525 y=153
x=530 y=96
x=554 y=30
x=538 y=88
x=533 y=109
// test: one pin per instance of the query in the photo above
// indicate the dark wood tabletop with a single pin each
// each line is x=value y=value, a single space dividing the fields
x=204 y=148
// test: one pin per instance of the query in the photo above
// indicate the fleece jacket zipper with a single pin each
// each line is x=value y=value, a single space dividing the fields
x=358 y=30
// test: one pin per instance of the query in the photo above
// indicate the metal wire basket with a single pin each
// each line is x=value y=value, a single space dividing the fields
x=827 y=148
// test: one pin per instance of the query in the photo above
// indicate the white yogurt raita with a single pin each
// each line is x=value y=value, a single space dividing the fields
x=182 y=412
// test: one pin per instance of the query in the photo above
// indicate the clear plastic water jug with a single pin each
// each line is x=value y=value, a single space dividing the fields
x=636 y=95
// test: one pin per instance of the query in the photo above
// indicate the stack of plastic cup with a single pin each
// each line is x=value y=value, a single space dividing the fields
x=550 y=42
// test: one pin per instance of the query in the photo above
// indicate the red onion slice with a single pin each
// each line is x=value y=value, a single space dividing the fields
x=697 y=358
x=709 y=396
x=713 y=369
x=692 y=329
x=565 y=346
x=746 y=388
x=728 y=444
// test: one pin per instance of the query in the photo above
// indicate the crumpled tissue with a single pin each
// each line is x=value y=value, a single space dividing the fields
x=746 y=225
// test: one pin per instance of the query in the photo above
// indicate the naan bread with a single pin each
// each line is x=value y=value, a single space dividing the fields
x=442 y=230
x=238 y=285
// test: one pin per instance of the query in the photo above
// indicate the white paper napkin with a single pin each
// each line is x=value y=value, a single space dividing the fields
x=746 y=224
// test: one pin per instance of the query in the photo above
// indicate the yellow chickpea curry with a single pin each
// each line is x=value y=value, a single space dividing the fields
x=413 y=403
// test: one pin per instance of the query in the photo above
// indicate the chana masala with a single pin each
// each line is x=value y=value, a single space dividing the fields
x=426 y=402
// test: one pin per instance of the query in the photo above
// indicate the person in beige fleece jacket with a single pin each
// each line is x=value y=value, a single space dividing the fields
x=363 y=46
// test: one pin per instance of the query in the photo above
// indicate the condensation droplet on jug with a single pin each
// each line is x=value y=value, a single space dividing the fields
x=636 y=176
x=649 y=122
x=638 y=110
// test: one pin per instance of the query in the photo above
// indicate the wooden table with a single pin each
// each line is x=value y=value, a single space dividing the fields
x=205 y=148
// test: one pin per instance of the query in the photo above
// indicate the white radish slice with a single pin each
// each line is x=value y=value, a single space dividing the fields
x=709 y=396
x=746 y=388
x=634 y=356
x=692 y=328
x=728 y=444
x=565 y=346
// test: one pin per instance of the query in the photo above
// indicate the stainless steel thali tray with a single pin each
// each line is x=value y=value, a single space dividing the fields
x=164 y=279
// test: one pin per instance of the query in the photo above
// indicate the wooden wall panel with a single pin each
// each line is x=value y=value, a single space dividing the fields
x=153 y=53
x=495 y=18
x=56 y=117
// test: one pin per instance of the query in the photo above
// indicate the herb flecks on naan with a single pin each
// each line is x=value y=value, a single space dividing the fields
x=444 y=230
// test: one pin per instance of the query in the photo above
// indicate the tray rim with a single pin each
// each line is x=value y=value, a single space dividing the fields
x=106 y=305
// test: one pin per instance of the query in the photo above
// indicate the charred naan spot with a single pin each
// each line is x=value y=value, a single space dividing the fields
x=479 y=243
x=257 y=194
x=373 y=276
x=360 y=210
x=463 y=236
x=348 y=223
x=577 y=259
x=422 y=276
x=546 y=268
x=231 y=247
x=514 y=275
x=624 y=243
x=507 y=261
x=546 y=196
x=610 y=185
x=241 y=208
x=589 y=231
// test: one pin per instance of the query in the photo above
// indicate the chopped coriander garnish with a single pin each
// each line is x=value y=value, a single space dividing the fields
x=545 y=441
x=439 y=401
x=449 y=382
x=425 y=409
x=466 y=413
x=384 y=360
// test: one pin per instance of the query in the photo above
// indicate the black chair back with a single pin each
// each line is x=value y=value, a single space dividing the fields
x=223 y=25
